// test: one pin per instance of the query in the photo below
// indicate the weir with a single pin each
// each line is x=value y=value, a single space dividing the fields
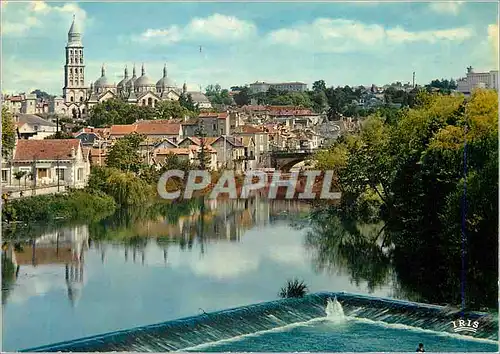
x=189 y=332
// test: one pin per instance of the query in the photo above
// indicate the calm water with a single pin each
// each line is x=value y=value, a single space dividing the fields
x=88 y=279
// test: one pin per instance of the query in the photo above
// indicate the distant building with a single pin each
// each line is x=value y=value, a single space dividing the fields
x=30 y=126
x=474 y=80
x=257 y=87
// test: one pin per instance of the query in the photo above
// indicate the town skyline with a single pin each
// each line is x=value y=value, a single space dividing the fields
x=287 y=41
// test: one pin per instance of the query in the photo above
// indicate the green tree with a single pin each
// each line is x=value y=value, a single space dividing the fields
x=203 y=154
x=172 y=110
x=218 y=95
x=8 y=133
x=319 y=86
x=187 y=102
x=18 y=175
x=117 y=111
x=243 y=98
x=124 y=154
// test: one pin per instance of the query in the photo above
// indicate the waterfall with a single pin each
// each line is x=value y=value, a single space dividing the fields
x=247 y=320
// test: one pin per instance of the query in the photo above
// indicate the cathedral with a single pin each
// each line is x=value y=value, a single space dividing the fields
x=78 y=98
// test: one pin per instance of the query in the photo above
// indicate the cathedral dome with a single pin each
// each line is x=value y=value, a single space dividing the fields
x=122 y=84
x=103 y=81
x=164 y=82
x=144 y=80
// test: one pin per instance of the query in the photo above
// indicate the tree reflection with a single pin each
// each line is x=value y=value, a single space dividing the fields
x=339 y=245
x=422 y=272
x=8 y=277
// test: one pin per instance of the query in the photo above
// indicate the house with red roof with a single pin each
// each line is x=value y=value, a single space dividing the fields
x=48 y=162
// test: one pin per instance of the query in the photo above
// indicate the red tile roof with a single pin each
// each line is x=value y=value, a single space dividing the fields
x=158 y=128
x=222 y=115
x=122 y=129
x=147 y=127
x=250 y=129
x=47 y=149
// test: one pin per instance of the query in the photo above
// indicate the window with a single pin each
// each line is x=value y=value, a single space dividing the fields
x=81 y=98
x=81 y=70
x=80 y=174
x=60 y=173
x=72 y=99
x=81 y=82
x=214 y=127
x=43 y=172
x=70 y=71
x=150 y=101
x=5 y=175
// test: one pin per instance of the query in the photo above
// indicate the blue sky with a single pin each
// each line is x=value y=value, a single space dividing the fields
x=342 y=43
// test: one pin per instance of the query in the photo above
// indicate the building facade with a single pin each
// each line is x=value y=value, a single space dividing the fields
x=474 y=80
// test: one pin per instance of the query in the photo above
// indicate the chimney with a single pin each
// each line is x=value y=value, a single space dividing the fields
x=73 y=152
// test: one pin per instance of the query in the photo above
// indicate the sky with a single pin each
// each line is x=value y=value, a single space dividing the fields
x=356 y=43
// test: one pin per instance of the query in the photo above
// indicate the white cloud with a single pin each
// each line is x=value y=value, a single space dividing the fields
x=446 y=7
x=19 y=19
x=216 y=26
x=341 y=36
x=493 y=42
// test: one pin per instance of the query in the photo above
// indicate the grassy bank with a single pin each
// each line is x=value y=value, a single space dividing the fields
x=74 y=205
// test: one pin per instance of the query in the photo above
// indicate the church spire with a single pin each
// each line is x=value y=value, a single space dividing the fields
x=143 y=72
x=126 y=72
x=74 y=34
x=103 y=71
x=165 y=70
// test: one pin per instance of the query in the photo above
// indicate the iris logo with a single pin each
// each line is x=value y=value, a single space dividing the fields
x=465 y=326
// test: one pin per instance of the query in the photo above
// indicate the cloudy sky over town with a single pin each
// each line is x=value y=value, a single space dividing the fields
x=341 y=43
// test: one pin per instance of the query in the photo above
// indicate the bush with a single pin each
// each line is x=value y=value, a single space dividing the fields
x=75 y=205
x=293 y=288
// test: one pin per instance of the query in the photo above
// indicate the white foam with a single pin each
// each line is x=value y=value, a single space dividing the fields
x=418 y=329
x=334 y=311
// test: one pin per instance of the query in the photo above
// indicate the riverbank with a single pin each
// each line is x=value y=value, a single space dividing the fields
x=72 y=205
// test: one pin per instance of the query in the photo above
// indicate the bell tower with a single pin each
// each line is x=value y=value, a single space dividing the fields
x=74 y=90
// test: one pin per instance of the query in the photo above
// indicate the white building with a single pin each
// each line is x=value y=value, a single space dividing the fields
x=48 y=162
x=30 y=126
x=474 y=80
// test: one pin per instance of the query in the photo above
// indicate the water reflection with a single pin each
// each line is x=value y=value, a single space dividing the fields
x=343 y=245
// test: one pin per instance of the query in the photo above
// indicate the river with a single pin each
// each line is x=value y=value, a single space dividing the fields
x=81 y=280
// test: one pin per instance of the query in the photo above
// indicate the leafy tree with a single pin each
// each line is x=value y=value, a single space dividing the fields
x=117 y=111
x=187 y=102
x=319 y=86
x=243 y=98
x=203 y=155
x=124 y=154
x=172 y=110
x=8 y=133
x=409 y=170
x=217 y=95
x=18 y=175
